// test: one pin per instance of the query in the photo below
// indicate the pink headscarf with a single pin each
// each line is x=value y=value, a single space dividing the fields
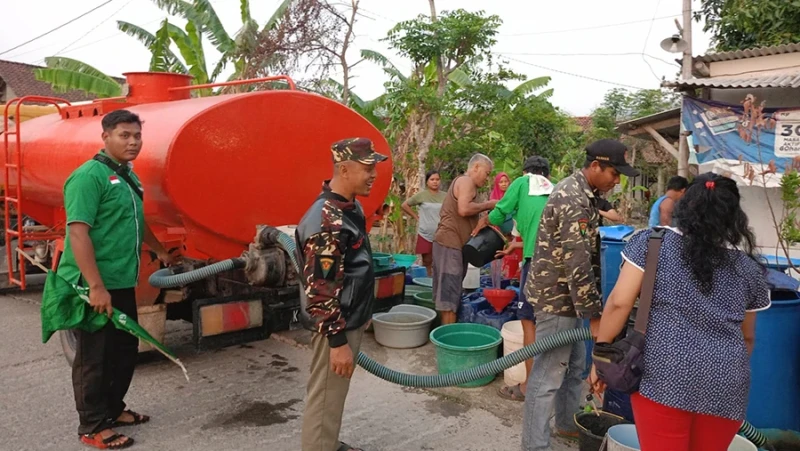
x=497 y=193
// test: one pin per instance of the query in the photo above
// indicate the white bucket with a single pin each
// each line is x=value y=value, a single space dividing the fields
x=512 y=341
x=472 y=281
x=153 y=319
x=623 y=437
x=740 y=443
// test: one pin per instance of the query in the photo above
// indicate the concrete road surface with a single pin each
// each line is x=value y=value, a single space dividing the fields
x=247 y=397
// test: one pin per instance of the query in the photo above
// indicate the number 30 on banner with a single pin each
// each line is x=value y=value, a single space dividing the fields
x=787 y=138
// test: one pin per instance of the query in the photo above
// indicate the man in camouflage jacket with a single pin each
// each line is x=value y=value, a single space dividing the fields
x=565 y=289
x=334 y=253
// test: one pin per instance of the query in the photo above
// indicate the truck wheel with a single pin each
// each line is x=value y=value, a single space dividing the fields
x=69 y=343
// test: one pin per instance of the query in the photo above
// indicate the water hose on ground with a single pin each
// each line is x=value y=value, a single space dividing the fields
x=162 y=279
x=563 y=338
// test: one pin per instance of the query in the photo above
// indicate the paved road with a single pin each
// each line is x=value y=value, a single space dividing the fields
x=246 y=397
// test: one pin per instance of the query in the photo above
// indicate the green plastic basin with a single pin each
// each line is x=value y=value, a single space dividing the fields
x=462 y=346
x=425 y=299
x=381 y=260
x=404 y=260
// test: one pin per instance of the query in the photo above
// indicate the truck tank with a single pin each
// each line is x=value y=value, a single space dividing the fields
x=214 y=170
x=212 y=167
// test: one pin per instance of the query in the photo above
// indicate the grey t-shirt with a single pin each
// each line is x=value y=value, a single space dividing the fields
x=428 y=206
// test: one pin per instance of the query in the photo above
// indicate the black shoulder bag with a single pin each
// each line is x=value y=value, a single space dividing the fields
x=619 y=364
x=121 y=171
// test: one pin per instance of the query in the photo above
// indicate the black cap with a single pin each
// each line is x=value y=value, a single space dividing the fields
x=611 y=152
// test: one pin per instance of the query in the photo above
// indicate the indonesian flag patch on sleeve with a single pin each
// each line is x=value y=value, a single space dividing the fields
x=113 y=179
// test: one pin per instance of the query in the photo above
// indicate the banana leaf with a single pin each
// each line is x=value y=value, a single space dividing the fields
x=66 y=306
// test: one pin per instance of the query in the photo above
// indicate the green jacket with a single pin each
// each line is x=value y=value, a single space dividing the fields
x=526 y=209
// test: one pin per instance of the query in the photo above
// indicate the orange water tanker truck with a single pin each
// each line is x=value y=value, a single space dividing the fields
x=215 y=170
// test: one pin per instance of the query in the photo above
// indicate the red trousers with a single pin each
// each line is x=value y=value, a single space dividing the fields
x=662 y=428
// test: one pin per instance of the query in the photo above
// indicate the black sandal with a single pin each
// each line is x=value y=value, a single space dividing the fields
x=345 y=447
x=137 y=419
x=97 y=441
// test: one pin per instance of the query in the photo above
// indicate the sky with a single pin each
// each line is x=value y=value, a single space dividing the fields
x=587 y=47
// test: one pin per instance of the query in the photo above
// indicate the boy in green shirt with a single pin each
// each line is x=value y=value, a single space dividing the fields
x=524 y=200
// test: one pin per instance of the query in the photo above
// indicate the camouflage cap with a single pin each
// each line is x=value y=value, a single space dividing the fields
x=356 y=149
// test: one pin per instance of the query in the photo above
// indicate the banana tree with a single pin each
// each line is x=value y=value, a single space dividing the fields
x=66 y=74
x=237 y=48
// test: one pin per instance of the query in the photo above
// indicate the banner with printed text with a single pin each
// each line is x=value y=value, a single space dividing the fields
x=722 y=131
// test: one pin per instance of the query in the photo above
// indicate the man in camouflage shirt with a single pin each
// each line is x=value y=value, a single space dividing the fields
x=334 y=253
x=565 y=289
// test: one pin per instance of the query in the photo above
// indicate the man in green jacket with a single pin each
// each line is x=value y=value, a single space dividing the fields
x=102 y=251
x=524 y=201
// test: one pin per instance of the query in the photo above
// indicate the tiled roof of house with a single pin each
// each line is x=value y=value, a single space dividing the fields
x=584 y=122
x=20 y=78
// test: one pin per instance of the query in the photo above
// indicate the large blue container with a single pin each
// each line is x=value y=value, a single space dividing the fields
x=611 y=245
x=775 y=365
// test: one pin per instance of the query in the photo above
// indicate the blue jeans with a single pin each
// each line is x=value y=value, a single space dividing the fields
x=524 y=308
x=555 y=378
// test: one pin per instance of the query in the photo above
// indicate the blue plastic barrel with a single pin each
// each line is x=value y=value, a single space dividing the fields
x=775 y=365
x=610 y=265
x=611 y=245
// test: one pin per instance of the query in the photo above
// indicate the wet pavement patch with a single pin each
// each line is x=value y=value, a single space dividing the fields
x=445 y=408
x=256 y=414
x=279 y=357
x=278 y=363
x=291 y=369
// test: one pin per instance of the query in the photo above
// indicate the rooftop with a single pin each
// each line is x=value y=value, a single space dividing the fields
x=780 y=79
x=748 y=53
x=20 y=78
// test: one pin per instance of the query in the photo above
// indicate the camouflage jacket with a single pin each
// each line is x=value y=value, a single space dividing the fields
x=334 y=253
x=565 y=277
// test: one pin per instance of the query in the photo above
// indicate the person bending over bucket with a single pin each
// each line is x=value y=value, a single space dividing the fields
x=460 y=220
x=564 y=289
x=701 y=330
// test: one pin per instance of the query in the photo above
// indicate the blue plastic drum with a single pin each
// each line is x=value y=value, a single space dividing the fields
x=775 y=365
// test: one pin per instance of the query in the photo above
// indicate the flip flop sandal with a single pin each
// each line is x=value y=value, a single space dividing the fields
x=96 y=441
x=137 y=419
x=345 y=447
x=513 y=393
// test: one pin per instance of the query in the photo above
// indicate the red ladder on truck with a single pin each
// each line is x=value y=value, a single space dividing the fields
x=13 y=162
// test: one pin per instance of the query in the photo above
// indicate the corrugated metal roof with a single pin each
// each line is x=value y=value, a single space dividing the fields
x=748 y=53
x=756 y=80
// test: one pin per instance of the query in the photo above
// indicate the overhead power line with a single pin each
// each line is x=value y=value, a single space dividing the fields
x=56 y=28
x=94 y=28
x=572 y=74
x=594 y=27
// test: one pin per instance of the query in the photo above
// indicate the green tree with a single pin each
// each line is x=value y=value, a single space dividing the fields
x=744 y=24
x=438 y=48
x=201 y=20
x=65 y=74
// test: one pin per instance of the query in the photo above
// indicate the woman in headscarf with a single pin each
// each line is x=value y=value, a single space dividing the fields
x=501 y=184
x=428 y=203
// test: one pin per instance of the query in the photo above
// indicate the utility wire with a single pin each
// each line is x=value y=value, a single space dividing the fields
x=595 y=27
x=570 y=73
x=57 y=28
x=93 y=28
x=647 y=38
x=115 y=35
